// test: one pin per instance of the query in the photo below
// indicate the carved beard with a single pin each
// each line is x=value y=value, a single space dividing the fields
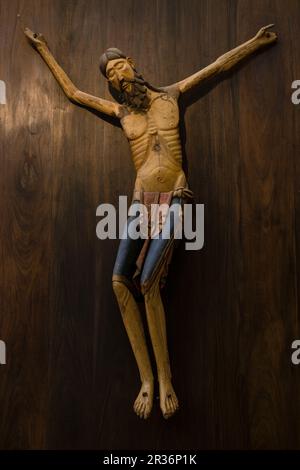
x=137 y=98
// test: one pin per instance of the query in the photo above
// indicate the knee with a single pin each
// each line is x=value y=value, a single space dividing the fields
x=144 y=285
x=118 y=286
x=121 y=292
x=149 y=288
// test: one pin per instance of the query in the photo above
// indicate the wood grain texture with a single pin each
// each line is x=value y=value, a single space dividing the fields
x=232 y=308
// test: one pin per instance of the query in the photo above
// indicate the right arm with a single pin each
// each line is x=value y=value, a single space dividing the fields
x=72 y=92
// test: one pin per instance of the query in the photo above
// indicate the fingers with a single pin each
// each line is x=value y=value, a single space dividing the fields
x=265 y=28
x=35 y=38
x=266 y=35
x=268 y=27
x=28 y=32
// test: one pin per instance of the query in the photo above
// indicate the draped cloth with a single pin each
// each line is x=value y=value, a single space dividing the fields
x=148 y=199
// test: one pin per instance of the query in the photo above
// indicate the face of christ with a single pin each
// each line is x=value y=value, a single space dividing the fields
x=123 y=77
x=120 y=74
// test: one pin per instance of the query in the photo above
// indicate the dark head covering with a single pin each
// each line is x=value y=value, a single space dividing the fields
x=110 y=54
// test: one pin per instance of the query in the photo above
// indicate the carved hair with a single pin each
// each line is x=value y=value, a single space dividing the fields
x=139 y=99
x=113 y=53
x=110 y=54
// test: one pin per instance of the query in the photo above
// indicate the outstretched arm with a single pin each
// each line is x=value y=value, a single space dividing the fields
x=228 y=60
x=72 y=92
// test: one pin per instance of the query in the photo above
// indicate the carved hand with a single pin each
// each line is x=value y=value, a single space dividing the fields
x=36 y=39
x=265 y=35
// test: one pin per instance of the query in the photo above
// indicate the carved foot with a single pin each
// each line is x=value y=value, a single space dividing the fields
x=168 y=399
x=143 y=404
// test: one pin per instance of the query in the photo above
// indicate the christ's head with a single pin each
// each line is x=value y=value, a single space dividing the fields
x=123 y=77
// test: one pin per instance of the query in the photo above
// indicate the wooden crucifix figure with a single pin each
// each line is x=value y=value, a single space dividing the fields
x=149 y=117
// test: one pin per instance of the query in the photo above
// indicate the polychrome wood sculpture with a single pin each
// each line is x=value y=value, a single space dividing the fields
x=150 y=119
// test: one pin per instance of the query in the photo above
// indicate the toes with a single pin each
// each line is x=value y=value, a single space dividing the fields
x=148 y=409
x=142 y=411
x=143 y=403
x=139 y=409
x=166 y=410
x=174 y=404
x=136 y=405
x=168 y=406
x=171 y=406
x=167 y=415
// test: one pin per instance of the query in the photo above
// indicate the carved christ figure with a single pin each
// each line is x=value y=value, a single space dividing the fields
x=150 y=118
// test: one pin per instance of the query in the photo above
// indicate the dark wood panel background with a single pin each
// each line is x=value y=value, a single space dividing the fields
x=70 y=378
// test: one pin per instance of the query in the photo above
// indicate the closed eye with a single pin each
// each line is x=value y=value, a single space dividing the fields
x=111 y=74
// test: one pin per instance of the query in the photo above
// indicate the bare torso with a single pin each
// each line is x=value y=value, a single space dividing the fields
x=155 y=144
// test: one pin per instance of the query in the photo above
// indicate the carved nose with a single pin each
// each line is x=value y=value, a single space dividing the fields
x=119 y=76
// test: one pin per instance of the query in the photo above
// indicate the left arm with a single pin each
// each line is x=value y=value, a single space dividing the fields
x=228 y=60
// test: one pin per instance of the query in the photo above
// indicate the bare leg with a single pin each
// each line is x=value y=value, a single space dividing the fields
x=135 y=331
x=157 y=327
